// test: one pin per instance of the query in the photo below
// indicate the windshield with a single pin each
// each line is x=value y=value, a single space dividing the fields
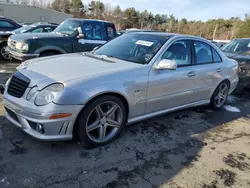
x=237 y=46
x=137 y=48
x=68 y=27
x=22 y=29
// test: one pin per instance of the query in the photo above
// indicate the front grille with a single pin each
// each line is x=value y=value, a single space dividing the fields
x=12 y=114
x=18 y=85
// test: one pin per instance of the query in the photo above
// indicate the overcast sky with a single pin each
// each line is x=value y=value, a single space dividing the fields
x=190 y=9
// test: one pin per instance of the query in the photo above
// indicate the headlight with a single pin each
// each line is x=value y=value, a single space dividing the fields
x=31 y=93
x=48 y=94
x=9 y=41
x=22 y=46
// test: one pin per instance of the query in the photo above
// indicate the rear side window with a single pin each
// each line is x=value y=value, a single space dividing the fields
x=110 y=32
x=5 y=24
x=216 y=56
x=47 y=29
x=38 y=30
x=203 y=53
x=92 y=31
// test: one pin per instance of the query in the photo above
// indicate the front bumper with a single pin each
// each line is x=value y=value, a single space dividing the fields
x=20 y=56
x=27 y=120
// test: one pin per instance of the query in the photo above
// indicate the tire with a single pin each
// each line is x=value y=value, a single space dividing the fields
x=110 y=123
x=45 y=54
x=3 y=54
x=220 y=94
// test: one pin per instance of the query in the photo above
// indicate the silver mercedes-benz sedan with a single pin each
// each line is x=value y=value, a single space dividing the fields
x=136 y=76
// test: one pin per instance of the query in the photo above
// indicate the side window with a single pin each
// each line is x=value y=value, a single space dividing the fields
x=47 y=29
x=216 y=56
x=203 y=53
x=180 y=52
x=38 y=30
x=110 y=32
x=92 y=31
x=6 y=24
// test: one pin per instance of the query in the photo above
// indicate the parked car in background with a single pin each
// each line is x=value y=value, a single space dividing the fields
x=121 y=32
x=93 y=95
x=221 y=44
x=25 y=23
x=73 y=35
x=34 y=28
x=239 y=50
x=7 y=24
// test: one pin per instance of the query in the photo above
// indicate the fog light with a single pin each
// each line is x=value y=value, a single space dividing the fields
x=39 y=128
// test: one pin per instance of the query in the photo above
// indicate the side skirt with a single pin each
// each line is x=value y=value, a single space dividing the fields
x=153 y=114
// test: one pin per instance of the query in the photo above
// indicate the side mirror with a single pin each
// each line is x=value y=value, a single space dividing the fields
x=166 y=64
x=80 y=33
x=96 y=48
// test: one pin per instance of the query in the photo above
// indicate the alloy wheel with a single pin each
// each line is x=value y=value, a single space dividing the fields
x=104 y=121
x=221 y=97
x=5 y=54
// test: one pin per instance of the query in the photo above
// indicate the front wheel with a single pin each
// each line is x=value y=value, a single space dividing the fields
x=3 y=53
x=101 y=121
x=220 y=95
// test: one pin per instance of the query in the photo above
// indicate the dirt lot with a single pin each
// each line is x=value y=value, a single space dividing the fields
x=186 y=149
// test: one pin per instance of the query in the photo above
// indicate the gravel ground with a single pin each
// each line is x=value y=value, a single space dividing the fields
x=194 y=148
x=190 y=148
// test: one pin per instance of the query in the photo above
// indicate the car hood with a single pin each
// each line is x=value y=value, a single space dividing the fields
x=6 y=33
x=64 y=68
x=238 y=57
x=27 y=36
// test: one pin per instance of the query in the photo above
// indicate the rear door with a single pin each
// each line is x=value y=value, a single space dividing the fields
x=208 y=68
x=93 y=36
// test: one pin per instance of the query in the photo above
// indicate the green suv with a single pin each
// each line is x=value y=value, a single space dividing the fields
x=73 y=35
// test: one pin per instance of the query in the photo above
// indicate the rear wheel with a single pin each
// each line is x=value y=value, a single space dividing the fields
x=3 y=53
x=220 y=95
x=101 y=121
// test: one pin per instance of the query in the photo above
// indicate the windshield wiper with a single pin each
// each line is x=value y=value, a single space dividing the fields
x=99 y=57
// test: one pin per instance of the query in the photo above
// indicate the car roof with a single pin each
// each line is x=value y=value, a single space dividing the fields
x=90 y=20
x=4 y=18
x=151 y=33
x=242 y=39
x=164 y=34
x=43 y=24
x=9 y=19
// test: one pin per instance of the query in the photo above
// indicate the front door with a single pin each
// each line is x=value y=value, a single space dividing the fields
x=93 y=37
x=172 y=88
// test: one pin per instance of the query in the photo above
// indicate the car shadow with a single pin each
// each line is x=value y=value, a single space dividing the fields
x=148 y=154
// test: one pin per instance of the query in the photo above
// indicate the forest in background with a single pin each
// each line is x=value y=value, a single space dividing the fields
x=224 y=29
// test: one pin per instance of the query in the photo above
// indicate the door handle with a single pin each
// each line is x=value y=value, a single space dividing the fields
x=190 y=74
x=219 y=70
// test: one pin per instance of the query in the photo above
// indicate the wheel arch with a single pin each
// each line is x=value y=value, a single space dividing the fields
x=112 y=93
x=224 y=80
x=46 y=51
x=50 y=49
